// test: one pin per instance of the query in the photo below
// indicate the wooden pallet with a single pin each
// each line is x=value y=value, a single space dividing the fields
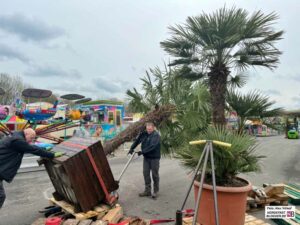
x=98 y=211
x=251 y=220
x=270 y=195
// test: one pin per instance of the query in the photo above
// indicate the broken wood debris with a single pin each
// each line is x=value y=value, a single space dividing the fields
x=273 y=194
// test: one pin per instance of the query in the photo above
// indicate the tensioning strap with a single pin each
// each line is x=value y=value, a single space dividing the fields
x=101 y=181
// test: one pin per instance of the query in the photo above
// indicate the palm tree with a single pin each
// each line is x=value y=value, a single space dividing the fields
x=251 y=105
x=218 y=44
x=190 y=101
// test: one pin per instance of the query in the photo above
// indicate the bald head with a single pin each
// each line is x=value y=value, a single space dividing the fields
x=29 y=135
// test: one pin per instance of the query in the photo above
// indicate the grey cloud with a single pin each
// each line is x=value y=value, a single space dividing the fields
x=88 y=90
x=10 y=53
x=296 y=99
x=28 y=28
x=71 y=88
x=295 y=77
x=272 y=92
x=109 y=85
x=51 y=71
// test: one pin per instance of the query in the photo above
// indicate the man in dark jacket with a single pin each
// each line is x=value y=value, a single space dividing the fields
x=150 y=140
x=12 y=150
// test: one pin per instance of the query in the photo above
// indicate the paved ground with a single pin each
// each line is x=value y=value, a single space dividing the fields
x=26 y=194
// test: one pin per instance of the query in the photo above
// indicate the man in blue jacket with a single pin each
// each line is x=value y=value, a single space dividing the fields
x=12 y=150
x=150 y=140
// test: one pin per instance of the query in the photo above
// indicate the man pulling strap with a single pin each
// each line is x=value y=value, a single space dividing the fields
x=150 y=140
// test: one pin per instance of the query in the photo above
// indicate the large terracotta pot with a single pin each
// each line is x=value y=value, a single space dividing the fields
x=231 y=203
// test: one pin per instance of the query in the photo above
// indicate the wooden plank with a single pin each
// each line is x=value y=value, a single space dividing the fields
x=136 y=221
x=188 y=221
x=290 y=195
x=114 y=215
x=250 y=200
x=102 y=210
x=292 y=188
x=274 y=189
x=291 y=222
x=265 y=201
x=251 y=220
x=71 y=209
x=281 y=197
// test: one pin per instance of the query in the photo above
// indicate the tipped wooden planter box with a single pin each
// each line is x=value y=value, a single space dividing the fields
x=73 y=175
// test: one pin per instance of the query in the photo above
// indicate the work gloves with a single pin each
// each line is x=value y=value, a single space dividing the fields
x=58 y=154
x=131 y=151
x=48 y=148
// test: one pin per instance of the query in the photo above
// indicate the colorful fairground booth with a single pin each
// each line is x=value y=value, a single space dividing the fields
x=109 y=114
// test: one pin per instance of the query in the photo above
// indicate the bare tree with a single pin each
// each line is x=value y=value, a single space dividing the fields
x=13 y=87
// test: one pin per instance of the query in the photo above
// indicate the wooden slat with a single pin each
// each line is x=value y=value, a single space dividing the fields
x=114 y=215
x=290 y=195
x=292 y=188
x=291 y=222
x=70 y=209
x=251 y=220
x=281 y=197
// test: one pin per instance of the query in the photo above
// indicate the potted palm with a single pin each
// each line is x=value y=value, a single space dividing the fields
x=229 y=163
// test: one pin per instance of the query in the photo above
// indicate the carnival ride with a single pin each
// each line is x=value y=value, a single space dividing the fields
x=99 y=118
x=34 y=116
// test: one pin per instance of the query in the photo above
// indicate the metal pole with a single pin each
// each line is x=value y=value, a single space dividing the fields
x=126 y=166
x=206 y=150
x=65 y=132
x=214 y=183
x=178 y=217
x=192 y=182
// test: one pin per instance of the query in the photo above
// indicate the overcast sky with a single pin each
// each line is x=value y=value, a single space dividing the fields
x=101 y=48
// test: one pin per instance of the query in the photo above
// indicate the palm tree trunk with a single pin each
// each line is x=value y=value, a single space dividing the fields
x=157 y=117
x=241 y=125
x=218 y=88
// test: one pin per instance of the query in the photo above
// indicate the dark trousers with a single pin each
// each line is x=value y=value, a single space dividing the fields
x=151 y=165
x=2 y=194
